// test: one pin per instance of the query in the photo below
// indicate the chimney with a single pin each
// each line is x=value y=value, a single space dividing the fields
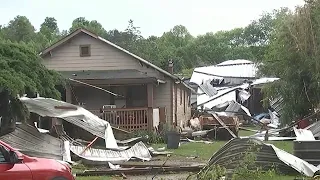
x=170 y=66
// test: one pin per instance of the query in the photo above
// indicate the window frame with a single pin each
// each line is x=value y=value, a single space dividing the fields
x=85 y=46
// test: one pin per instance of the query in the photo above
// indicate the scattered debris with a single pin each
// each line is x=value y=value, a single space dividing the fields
x=303 y=135
x=159 y=152
x=141 y=170
x=267 y=156
x=77 y=116
x=28 y=140
x=200 y=141
x=129 y=141
x=98 y=156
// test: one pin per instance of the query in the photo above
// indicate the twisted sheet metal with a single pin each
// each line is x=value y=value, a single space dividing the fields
x=79 y=117
x=139 y=150
x=232 y=154
x=277 y=104
x=30 y=141
x=315 y=129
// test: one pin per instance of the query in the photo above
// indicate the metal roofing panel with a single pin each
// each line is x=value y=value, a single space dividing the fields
x=235 y=62
x=228 y=69
x=277 y=104
x=79 y=117
x=233 y=153
x=315 y=129
x=30 y=141
x=207 y=88
x=139 y=150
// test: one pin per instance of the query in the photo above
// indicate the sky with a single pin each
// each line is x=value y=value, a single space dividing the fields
x=152 y=16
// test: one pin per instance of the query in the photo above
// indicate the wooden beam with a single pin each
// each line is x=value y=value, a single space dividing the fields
x=223 y=124
x=150 y=95
x=141 y=170
x=89 y=145
x=150 y=106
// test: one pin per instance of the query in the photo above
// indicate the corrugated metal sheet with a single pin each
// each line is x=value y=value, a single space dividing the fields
x=139 y=150
x=234 y=62
x=268 y=157
x=227 y=69
x=315 y=129
x=207 y=88
x=30 y=141
x=277 y=104
x=79 y=117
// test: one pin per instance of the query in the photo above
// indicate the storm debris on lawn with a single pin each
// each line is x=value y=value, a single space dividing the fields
x=93 y=155
x=141 y=170
x=266 y=156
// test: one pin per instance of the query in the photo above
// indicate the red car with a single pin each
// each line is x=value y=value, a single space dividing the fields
x=16 y=166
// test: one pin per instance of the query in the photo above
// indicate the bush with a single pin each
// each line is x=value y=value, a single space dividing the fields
x=149 y=137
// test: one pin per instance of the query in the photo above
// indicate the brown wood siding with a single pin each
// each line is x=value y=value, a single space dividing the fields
x=103 y=57
x=162 y=98
x=183 y=109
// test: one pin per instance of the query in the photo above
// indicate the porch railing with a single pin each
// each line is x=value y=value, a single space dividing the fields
x=130 y=119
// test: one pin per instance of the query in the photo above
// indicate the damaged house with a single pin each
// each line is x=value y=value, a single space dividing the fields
x=230 y=81
x=120 y=87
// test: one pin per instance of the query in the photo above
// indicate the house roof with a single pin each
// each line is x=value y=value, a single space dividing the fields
x=107 y=75
x=78 y=31
x=81 y=30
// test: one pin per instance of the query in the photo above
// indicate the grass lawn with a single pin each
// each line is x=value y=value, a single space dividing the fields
x=204 y=152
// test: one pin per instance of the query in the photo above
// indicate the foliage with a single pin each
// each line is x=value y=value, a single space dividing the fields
x=21 y=72
x=149 y=137
x=286 y=42
x=293 y=56
x=246 y=169
x=177 y=44
x=214 y=172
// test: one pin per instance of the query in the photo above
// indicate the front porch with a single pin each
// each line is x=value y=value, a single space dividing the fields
x=130 y=119
x=130 y=105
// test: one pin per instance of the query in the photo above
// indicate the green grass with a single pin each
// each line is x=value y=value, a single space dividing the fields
x=246 y=133
x=203 y=151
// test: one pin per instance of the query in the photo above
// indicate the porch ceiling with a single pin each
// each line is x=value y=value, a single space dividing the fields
x=107 y=75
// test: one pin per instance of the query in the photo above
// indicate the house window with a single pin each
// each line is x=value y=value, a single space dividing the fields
x=85 y=50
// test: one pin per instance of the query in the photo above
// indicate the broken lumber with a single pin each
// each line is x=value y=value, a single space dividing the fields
x=223 y=124
x=142 y=170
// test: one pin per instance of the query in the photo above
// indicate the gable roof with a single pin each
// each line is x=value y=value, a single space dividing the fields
x=81 y=30
x=78 y=31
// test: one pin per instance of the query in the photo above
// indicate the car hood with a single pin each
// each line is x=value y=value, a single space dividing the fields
x=35 y=163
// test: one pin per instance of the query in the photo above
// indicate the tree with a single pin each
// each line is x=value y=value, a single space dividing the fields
x=293 y=56
x=49 y=28
x=21 y=72
x=93 y=26
x=19 y=29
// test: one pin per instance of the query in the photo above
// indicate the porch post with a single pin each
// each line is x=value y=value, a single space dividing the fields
x=68 y=94
x=150 y=106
